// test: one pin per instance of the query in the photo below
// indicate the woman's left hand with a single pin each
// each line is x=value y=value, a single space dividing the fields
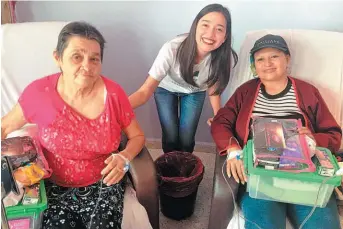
x=305 y=130
x=209 y=121
x=114 y=171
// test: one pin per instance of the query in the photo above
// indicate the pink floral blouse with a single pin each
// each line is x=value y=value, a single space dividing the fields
x=75 y=146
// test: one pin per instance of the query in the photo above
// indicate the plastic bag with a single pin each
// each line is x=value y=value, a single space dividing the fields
x=179 y=173
x=29 y=174
x=27 y=159
x=277 y=145
x=20 y=151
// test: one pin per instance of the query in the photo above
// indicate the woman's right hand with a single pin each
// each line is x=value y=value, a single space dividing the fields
x=143 y=94
x=235 y=168
x=12 y=121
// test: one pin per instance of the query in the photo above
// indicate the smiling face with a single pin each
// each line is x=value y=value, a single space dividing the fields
x=271 y=64
x=81 y=61
x=210 y=32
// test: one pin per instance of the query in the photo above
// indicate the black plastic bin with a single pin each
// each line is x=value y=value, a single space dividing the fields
x=179 y=175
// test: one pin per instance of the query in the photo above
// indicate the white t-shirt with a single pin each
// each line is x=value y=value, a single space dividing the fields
x=167 y=70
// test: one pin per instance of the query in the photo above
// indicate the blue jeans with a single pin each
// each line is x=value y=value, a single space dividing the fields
x=272 y=215
x=179 y=115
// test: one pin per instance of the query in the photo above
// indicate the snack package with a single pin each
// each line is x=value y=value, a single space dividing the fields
x=27 y=159
x=29 y=174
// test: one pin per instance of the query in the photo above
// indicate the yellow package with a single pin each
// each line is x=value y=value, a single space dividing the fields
x=29 y=174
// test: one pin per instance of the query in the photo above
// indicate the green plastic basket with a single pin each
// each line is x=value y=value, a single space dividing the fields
x=303 y=188
x=31 y=211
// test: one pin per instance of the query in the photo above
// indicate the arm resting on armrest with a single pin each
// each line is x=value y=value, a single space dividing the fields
x=222 y=205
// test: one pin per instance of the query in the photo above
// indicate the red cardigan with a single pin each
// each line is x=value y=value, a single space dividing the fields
x=233 y=119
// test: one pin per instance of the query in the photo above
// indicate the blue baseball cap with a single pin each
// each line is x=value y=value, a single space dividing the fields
x=270 y=41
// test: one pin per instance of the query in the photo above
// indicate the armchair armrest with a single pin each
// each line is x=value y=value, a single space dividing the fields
x=222 y=205
x=143 y=177
x=142 y=174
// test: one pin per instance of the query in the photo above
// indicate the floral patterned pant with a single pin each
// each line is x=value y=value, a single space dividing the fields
x=73 y=207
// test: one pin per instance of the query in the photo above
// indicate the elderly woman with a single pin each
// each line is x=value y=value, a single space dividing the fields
x=275 y=94
x=80 y=115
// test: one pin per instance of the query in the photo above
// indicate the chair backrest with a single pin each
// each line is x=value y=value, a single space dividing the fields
x=316 y=57
x=26 y=55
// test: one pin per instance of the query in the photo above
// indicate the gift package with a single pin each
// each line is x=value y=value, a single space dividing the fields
x=27 y=166
x=279 y=146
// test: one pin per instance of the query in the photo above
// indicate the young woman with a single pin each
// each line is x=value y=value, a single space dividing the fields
x=185 y=68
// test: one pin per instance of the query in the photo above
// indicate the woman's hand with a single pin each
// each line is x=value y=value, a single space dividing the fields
x=14 y=120
x=209 y=121
x=306 y=131
x=214 y=101
x=114 y=171
x=235 y=168
x=143 y=94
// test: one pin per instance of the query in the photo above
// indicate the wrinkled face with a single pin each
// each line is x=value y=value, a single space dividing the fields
x=210 y=32
x=81 y=61
x=271 y=64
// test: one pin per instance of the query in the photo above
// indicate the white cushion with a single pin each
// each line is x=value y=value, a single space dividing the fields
x=134 y=214
x=26 y=55
x=316 y=57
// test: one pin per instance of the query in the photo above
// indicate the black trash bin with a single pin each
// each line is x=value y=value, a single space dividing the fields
x=179 y=175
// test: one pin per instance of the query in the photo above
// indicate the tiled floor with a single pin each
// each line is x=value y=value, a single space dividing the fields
x=199 y=220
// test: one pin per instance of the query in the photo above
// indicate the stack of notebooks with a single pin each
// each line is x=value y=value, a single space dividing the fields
x=277 y=144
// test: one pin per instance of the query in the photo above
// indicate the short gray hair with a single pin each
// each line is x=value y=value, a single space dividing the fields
x=81 y=29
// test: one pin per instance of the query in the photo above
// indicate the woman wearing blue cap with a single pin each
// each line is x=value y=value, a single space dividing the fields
x=184 y=69
x=274 y=94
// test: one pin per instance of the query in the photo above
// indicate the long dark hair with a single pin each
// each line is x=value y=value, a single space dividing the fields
x=220 y=67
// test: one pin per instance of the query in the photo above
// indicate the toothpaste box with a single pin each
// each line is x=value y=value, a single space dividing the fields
x=324 y=164
x=31 y=195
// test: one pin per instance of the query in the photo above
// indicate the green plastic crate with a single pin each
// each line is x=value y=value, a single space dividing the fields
x=28 y=216
x=296 y=188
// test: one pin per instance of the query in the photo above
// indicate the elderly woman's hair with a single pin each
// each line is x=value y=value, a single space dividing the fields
x=221 y=62
x=80 y=29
